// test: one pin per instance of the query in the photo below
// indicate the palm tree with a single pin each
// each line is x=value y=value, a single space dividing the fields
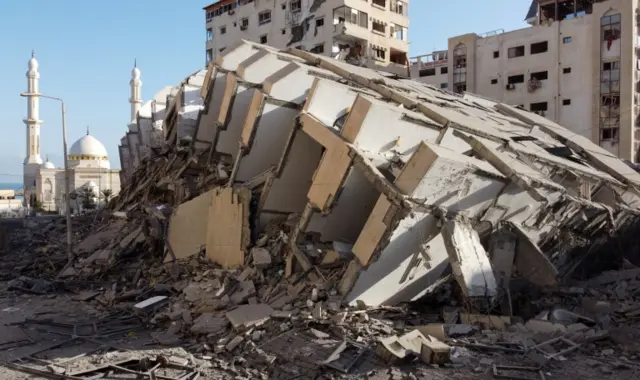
x=107 y=193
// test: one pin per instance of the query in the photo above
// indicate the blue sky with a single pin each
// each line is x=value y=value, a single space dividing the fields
x=86 y=51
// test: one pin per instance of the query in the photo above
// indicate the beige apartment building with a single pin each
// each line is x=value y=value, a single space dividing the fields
x=369 y=33
x=577 y=64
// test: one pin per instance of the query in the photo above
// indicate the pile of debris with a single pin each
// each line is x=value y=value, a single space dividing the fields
x=301 y=214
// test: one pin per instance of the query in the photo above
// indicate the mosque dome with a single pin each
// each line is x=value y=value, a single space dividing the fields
x=48 y=165
x=87 y=148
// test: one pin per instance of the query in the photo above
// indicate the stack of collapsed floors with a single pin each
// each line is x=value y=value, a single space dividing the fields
x=409 y=182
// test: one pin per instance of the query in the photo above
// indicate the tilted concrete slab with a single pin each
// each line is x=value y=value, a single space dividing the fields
x=145 y=126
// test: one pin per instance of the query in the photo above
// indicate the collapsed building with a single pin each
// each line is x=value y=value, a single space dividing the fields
x=399 y=182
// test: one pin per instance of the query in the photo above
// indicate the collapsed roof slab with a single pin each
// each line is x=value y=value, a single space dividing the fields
x=401 y=250
x=599 y=157
x=214 y=86
x=239 y=92
x=271 y=118
x=191 y=107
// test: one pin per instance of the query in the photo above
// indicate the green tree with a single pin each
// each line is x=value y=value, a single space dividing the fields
x=88 y=198
x=107 y=193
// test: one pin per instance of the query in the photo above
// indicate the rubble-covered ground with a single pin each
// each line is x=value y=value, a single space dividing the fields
x=120 y=312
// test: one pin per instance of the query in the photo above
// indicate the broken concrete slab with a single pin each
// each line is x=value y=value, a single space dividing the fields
x=246 y=316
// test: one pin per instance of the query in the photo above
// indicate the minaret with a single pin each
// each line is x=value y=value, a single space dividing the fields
x=32 y=161
x=136 y=85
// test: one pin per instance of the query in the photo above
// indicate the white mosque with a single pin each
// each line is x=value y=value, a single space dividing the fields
x=89 y=166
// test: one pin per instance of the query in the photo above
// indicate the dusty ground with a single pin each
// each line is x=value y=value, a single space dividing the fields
x=16 y=307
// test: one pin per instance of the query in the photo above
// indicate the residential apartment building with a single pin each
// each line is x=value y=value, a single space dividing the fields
x=577 y=64
x=370 y=33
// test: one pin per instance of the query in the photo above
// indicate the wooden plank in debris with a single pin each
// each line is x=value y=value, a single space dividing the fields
x=188 y=226
x=228 y=231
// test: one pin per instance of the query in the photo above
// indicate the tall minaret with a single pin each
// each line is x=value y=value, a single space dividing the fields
x=32 y=161
x=136 y=86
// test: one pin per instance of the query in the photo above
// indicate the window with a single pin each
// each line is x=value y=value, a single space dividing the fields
x=284 y=31
x=540 y=75
x=263 y=39
x=494 y=81
x=398 y=7
x=295 y=5
x=566 y=70
x=319 y=22
x=209 y=55
x=351 y=16
x=297 y=32
x=538 y=107
x=609 y=134
x=379 y=54
x=378 y=26
x=380 y=3
x=444 y=70
x=264 y=17
x=566 y=102
x=496 y=54
x=566 y=40
x=223 y=30
x=318 y=49
x=209 y=34
x=244 y=24
x=515 y=79
x=515 y=52
x=610 y=77
x=284 y=6
x=539 y=47
x=427 y=72
x=444 y=85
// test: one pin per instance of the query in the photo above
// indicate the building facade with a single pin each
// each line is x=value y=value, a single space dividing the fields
x=371 y=33
x=577 y=64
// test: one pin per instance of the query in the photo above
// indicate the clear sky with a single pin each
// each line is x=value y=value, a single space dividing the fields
x=86 y=51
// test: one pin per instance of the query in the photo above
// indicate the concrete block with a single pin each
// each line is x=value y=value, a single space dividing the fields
x=246 y=316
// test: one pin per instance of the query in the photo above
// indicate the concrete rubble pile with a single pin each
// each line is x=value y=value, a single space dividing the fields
x=284 y=212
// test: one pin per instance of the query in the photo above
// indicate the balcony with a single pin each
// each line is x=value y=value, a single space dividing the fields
x=350 y=32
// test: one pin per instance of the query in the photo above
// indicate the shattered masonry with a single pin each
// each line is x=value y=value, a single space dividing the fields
x=411 y=182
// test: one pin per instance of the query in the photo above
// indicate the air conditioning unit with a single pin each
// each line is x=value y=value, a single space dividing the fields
x=510 y=86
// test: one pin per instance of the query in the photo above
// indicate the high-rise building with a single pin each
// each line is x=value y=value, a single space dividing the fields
x=577 y=64
x=371 y=33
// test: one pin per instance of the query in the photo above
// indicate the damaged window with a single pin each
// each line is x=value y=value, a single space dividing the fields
x=380 y=3
x=295 y=5
x=515 y=52
x=540 y=75
x=209 y=55
x=209 y=34
x=540 y=108
x=427 y=72
x=460 y=68
x=264 y=17
x=539 y=47
x=444 y=85
x=297 y=33
x=349 y=15
x=379 y=53
x=223 y=30
x=318 y=49
x=444 y=70
x=263 y=39
x=244 y=24
x=513 y=79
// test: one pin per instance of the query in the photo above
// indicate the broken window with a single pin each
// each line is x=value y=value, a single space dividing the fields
x=379 y=53
x=566 y=40
x=244 y=23
x=297 y=32
x=444 y=70
x=349 y=15
x=566 y=70
x=460 y=68
x=319 y=24
x=444 y=85
x=427 y=72
x=610 y=77
x=378 y=26
x=263 y=39
x=399 y=7
x=209 y=55
x=380 y=3
x=223 y=30
x=566 y=102
x=318 y=49
x=513 y=79
x=264 y=17
x=496 y=54
x=295 y=5
x=610 y=134
x=494 y=81
x=540 y=75
x=515 y=52
x=539 y=47
x=539 y=108
x=209 y=34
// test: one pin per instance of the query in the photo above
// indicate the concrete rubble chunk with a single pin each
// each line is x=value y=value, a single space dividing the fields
x=246 y=316
x=261 y=257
